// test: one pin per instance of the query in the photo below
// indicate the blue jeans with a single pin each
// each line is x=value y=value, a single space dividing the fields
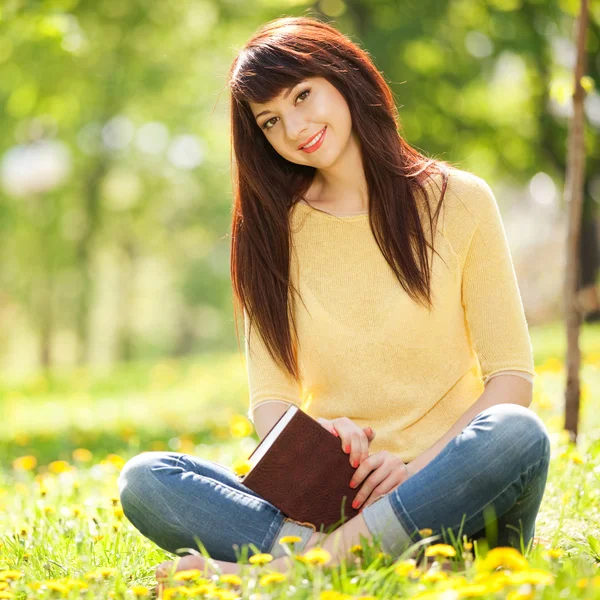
x=488 y=481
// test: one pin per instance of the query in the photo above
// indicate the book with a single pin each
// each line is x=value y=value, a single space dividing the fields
x=301 y=468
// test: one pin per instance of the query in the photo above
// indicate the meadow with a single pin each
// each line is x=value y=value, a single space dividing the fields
x=67 y=434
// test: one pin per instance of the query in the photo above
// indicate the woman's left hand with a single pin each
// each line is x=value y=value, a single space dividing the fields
x=387 y=472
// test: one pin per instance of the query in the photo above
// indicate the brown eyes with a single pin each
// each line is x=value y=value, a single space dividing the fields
x=264 y=126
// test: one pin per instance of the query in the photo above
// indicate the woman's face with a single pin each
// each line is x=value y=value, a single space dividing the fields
x=298 y=114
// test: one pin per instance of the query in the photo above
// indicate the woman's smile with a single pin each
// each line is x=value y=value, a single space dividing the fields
x=316 y=142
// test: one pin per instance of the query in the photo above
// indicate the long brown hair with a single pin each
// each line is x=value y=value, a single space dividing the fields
x=283 y=52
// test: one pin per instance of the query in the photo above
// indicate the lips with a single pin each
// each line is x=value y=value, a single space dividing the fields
x=308 y=141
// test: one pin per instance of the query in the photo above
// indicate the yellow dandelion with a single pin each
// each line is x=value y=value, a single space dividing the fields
x=434 y=577
x=426 y=532
x=114 y=500
x=440 y=550
x=118 y=512
x=116 y=527
x=516 y=595
x=270 y=578
x=356 y=549
x=473 y=590
x=226 y=595
x=290 y=539
x=139 y=591
x=77 y=510
x=57 y=586
x=49 y=510
x=23 y=531
x=261 y=559
x=187 y=575
x=577 y=458
x=25 y=463
x=168 y=593
x=98 y=537
x=59 y=466
x=10 y=575
x=6 y=594
x=330 y=595
x=582 y=583
x=43 y=491
x=240 y=426
x=241 y=467
x=231 y=579
x=317 y=556
x=35 y=585
x=115 y=460
x=82 y=455
x=503 y=556
x=405 y=567
x=532 y=576
x=553 y=553
x=3 y=585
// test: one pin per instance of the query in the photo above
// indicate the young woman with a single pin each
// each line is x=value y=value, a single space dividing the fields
x=419 y=361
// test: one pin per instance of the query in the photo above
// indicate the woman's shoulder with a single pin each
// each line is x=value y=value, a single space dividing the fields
x=467 y=195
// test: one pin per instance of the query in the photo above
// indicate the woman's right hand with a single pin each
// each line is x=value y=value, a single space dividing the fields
x=355 y=441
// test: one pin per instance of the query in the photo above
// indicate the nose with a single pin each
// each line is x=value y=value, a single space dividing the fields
x=296 y=130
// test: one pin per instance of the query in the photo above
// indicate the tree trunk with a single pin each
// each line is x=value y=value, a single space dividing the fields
x=574 y=182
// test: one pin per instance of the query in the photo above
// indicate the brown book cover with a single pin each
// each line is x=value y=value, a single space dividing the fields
x=301 y=468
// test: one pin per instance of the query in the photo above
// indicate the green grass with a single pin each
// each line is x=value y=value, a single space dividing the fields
x=57 y=524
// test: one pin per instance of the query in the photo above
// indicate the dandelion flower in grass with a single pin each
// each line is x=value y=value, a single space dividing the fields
x=405 y=567
x=270 y=578
x=115 y=460
x=290 y=539
x=317 y=556
x=231 y=579
x=440 y=550
x=503 y=556
x=356 y=549
x=577 y=458
x=188 y=575
x=25 y=463
x=553 y=553
x=118 y=512
x=140 y=591
x=582 y=583
x=59 y=466
x=82 y=455
x=261 y=559
x=434 y=577
x=240 y=426
x=10 y=575
x=241 y=467
x=531 y=576
x=57 y=586
x=426 y=532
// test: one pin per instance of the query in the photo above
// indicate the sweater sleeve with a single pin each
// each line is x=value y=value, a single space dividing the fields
x=490 y=294
x=267 y=381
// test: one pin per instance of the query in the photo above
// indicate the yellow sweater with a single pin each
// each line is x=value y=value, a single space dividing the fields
x=368 y=352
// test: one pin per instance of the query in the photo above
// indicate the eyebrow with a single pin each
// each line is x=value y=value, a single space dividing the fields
x=287 y=93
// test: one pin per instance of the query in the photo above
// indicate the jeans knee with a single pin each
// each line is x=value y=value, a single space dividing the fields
x=136 y=478
x=522 y=429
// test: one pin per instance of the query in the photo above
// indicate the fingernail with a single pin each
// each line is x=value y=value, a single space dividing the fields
x=352 y=484
x=355 y=464
x=347 y=449
x=336 y=433
x=355 y=504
